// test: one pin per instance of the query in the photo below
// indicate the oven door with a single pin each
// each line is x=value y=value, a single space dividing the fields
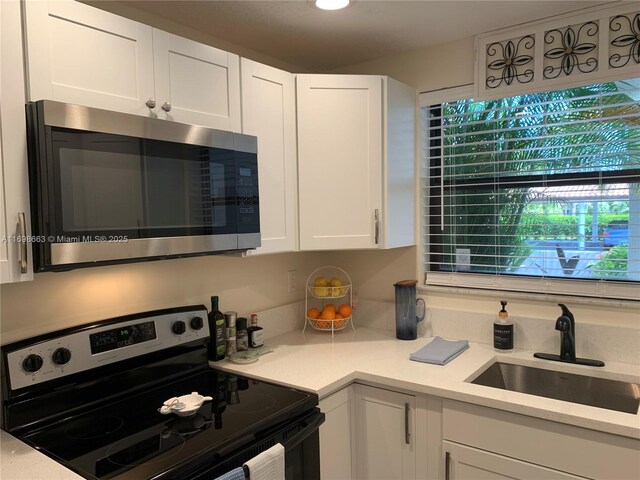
x=300 y=439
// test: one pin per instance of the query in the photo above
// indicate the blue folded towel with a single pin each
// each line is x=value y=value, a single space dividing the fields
x=235 y=474
x=440 y=351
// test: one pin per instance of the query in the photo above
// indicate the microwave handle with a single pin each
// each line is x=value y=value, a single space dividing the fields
x=22 y=231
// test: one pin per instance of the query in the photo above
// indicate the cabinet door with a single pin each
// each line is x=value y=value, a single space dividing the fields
x=15 y=256
x=196 y=83
x=467 y=463
x=339 y=160
x=337 y=436
x=268 y=112
x=385 y=434
x=83 y=55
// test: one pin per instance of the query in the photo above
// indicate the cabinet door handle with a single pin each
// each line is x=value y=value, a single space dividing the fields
x=407 y=435
x=447 y=466
x=151 y=103
x=166 y=106
x=23 y=245
x=376 y=219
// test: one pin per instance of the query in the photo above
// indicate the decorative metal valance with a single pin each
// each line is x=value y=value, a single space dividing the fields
x=600 y=44
x=624 y=41
x=510 y=61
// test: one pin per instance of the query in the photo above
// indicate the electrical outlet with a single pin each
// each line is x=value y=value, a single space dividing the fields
x=291 y=281
x=463 y=259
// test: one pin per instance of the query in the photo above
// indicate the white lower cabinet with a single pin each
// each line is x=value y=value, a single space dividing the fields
x=482 y=443
x=373 y=433
x=389 y=433
x=337 y=436
x=466 y=463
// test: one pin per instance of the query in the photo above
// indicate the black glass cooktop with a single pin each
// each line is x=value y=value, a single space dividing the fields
x=130 y=439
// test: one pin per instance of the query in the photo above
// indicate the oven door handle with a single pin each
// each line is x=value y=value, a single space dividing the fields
x=311 y=424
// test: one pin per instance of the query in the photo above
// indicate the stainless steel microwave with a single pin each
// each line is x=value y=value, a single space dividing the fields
x=110 y=187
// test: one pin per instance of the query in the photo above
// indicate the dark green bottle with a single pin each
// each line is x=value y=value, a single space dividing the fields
x=217 y=347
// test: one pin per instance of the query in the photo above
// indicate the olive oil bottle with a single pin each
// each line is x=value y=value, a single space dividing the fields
x=217 y=346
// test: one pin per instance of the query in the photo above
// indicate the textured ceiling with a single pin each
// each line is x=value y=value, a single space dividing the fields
x=297 y=33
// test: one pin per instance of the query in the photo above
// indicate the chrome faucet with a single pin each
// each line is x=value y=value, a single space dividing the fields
x=566 y=325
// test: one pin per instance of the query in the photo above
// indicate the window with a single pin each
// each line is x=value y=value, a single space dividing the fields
x=538 y=192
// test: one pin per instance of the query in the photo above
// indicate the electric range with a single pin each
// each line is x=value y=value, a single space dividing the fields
x=89 y=398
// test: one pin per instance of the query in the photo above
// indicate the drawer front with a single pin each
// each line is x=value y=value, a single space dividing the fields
x=568 y=448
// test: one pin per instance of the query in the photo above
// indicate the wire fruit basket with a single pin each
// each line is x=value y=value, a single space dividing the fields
x=328 y=300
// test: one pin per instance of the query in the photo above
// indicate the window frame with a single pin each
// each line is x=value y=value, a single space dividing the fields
x=531 y=287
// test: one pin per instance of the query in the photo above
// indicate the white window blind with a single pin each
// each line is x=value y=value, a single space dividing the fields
x=537 y=192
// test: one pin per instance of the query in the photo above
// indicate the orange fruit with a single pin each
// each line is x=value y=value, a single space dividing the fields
x=338 y=324
x=344 y=310
x=329 y=307
x=327 y=314
x=338 y=316
x=313 y=313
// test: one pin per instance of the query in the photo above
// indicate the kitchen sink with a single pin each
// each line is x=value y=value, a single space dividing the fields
x=596 y=392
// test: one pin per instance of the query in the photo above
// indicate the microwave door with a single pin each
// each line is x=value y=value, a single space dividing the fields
x=188 y=190
x=153 y=198
x=99 y=185
x=174 y=195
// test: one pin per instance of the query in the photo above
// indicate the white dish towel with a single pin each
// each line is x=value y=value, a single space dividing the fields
x=268 y=465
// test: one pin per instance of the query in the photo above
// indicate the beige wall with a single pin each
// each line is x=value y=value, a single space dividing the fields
x=427 y=69
x=59 y=300
x=373 y=273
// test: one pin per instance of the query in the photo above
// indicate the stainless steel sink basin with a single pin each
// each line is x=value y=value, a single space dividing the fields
x=593 y=391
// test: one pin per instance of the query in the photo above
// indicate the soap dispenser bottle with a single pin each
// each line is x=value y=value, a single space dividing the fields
x=503 y=330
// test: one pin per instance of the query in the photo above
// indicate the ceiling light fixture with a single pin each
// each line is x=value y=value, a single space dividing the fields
x=331 y=4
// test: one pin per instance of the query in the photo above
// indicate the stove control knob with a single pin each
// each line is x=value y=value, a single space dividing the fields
x=61 y=356
x=178 y=328
x=32 y=363
x=196 y=323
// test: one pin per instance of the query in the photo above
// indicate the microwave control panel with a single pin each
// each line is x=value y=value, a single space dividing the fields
x=247 y=188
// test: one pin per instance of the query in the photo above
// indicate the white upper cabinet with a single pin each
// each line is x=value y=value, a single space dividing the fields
x=356 y=152
x=268 y=112
x=196 y=83
x=83 y=55
x=15 y=220
x=339 y=160
x=80 y=54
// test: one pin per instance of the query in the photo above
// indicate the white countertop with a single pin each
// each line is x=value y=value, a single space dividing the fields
x=21 y=462
x=316 y=362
